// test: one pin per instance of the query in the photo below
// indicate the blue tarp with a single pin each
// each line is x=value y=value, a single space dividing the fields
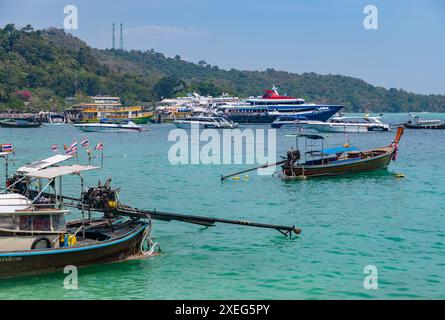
x=338 y=150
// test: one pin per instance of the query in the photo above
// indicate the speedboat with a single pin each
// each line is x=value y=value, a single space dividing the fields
x=110 y=125
x=205 y=122
x=348 y=124
x=270 y=106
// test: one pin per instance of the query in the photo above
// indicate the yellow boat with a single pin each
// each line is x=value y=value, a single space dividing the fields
x=93 y=112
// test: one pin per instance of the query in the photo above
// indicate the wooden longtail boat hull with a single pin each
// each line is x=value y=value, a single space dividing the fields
x=8 y=124
x=31 y=262
x=381 y=161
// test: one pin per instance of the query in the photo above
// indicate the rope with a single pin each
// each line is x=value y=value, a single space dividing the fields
x=151 y=246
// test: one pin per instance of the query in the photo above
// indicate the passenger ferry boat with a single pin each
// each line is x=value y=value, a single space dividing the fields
x=271 y=105
x=107 y=107
x=205 y=122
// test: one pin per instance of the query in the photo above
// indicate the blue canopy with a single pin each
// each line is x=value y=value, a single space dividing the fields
x=338 y=150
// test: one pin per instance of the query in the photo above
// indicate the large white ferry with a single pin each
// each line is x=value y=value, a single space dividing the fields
x=270 y=106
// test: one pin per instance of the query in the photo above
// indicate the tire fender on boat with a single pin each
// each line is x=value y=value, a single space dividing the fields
x=40 y=239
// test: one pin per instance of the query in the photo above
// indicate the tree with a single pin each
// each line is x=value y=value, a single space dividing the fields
x=167 y=87
x=28 y=28
x=16 y=104
x=208 y=88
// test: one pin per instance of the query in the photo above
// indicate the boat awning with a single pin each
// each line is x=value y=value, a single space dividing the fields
x=45 y=163
x=52 y=173
x=339 y=150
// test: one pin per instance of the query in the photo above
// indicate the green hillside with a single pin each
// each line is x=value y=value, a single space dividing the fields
x=40 y=68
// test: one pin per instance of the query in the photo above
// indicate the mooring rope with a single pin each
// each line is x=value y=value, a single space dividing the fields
x=151 y=246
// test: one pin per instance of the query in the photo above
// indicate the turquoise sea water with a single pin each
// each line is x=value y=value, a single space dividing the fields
x=348 y=222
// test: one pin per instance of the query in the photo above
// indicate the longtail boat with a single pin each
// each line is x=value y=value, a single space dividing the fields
x=21 y=123
x=35 y=238
x=337 y=161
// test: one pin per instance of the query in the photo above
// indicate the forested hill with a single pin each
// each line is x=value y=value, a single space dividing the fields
x=38 y=69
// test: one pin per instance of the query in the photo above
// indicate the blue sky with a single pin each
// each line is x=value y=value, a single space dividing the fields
x=323 y=36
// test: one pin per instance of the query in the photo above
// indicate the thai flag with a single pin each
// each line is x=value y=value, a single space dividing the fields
x=72 y=150
x=85 y=143
x=54 y=148
x=7 y=147
x=100 y=146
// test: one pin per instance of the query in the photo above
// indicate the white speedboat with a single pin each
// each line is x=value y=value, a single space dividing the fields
x=110 y=126
x=348 y=124
x=205 y=122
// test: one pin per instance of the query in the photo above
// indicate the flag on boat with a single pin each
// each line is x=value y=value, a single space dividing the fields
x=7 y=147
x=100 y=146
x=72 y=149
x=54 y=148
x=85 y=143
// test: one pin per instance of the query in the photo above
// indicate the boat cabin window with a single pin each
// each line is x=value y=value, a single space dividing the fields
x=33 y=222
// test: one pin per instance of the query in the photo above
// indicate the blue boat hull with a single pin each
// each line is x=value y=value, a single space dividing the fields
x=318 y=113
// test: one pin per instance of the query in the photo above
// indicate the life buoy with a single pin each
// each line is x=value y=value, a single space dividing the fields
x=37 y=243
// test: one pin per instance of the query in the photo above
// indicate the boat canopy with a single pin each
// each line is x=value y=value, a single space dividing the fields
x=45 y=163
x=54 y=172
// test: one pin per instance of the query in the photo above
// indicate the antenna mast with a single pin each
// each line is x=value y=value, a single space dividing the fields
x=121 y=42
x=114 y=38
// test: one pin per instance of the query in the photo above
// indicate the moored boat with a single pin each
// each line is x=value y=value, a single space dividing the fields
x=107 y=107
x=34 y=237
x=337 y=161
x=348 y=124
x=21 y=123
x=417 y=123
x=271 y=105
x=205 y=122
x=110 y=125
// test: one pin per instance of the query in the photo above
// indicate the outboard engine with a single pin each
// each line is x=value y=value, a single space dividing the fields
x=293 y=156
x=102 y=198
x=20 y=185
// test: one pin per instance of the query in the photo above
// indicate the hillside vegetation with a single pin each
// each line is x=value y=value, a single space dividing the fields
x=38 y=69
